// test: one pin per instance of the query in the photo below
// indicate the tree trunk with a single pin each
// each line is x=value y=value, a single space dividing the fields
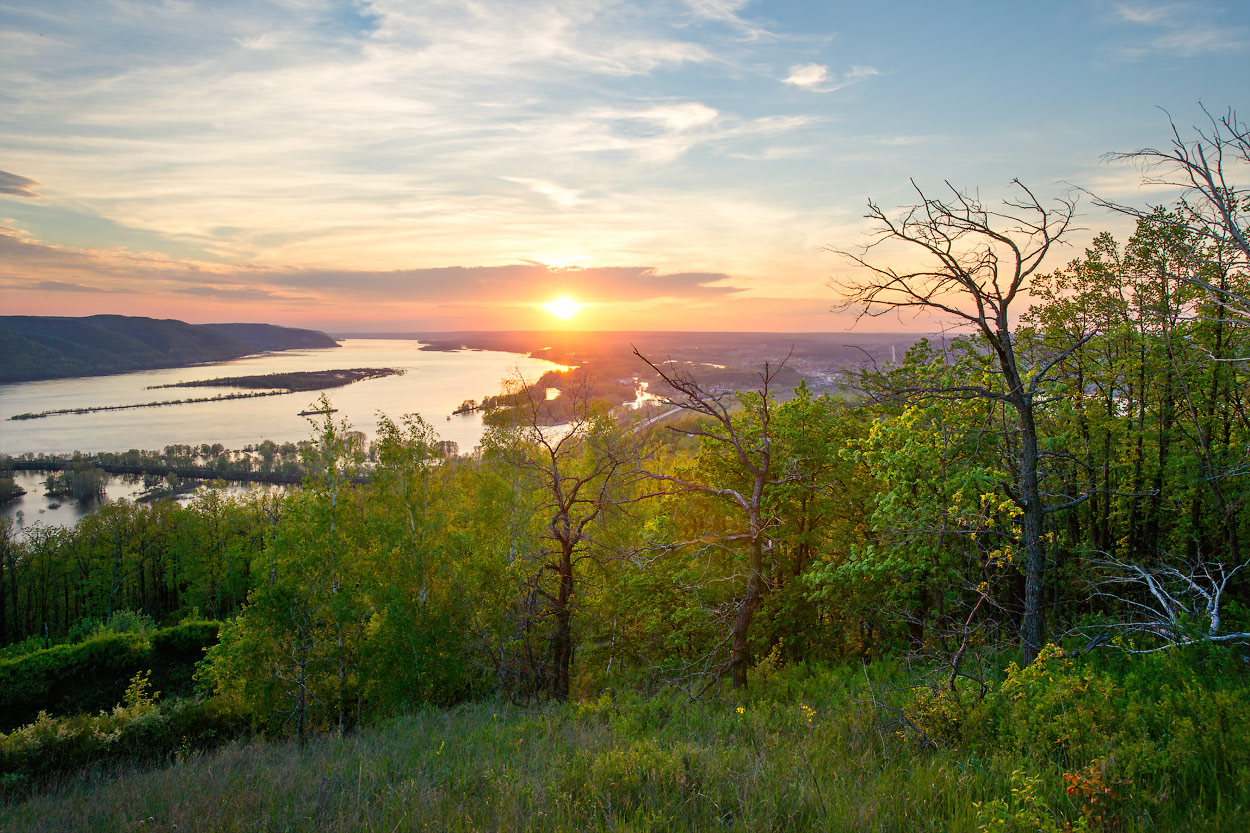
x=740 y=658
x=562 y=640
x=1029 y=498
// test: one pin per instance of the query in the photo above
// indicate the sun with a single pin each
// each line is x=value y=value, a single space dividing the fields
x=563 y=307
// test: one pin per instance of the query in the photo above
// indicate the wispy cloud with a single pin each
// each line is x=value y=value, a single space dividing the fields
x=561 y=196
x=1186 y=30
x=60 y=286
x=727 y=11
x=816 y=77
x=1145 y=13
x=243 y=293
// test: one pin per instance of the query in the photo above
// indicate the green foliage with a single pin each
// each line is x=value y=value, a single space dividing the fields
x=68 y=679
x=790 y=755
x=1160 y=718
x=94 y=674
x=1024 y=810
x=122 y=621
x=82 y=483
x=139 y=729
x=9 y=490
x=360 y=613
x=133 y=567
x=186 y=640
x=947 y=715
x=1123 y=732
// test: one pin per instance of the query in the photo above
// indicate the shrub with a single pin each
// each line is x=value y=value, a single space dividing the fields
x=175 y=652
x=185 y=641
x=944 y=714
x=140 y=729
x=92 y=675
x=65 y=679
x=1160 y=723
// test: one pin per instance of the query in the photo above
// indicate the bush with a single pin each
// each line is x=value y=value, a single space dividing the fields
x=139 y=729
x=175 y=652
x=1124 y=726
x=92 y=675
x=186 y=641
x=66 y=679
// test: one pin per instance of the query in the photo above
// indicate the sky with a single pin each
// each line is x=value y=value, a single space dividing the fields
x=378 y=165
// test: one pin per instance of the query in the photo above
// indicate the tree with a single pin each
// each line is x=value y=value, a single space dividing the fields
x=939 y=536
x=743 y=443
x=415 y=648
x=1170 y=605
x=1211 y=207
x=976 y=265
x=292 y=657
x=578 y=472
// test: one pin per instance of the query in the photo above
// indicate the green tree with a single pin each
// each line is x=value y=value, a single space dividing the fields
x=577 y=473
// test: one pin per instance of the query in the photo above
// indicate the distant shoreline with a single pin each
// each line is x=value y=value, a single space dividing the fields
x=46 y=348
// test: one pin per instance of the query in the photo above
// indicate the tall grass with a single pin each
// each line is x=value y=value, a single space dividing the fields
x=799 y=753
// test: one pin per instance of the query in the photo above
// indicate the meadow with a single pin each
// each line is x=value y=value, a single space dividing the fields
x=805 y=749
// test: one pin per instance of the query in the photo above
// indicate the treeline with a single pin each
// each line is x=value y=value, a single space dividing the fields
x=267 y=457
x=54 y=347
x=92 y=409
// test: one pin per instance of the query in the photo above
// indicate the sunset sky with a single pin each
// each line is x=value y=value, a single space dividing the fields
x=394 y=165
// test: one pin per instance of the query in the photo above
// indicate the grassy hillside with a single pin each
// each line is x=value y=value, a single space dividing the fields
x=37 y=347
x=803 y=752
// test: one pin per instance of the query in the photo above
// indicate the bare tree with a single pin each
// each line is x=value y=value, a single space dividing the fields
x=1211 y=206
x=751 y=449
x=975 y=266
x=1171 y=605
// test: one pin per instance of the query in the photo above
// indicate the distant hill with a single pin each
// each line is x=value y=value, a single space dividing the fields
x=750 y=348
x=47 y=347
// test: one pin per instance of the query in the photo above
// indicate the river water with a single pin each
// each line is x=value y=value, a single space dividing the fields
x=433 y=385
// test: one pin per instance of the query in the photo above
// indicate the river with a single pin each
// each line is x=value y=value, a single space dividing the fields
x=433 y=385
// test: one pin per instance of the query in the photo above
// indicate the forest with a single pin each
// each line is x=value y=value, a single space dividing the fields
x=998 y=584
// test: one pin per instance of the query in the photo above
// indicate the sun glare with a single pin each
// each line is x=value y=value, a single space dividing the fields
x=563 y=308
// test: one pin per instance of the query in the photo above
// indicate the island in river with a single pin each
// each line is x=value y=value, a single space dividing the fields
x=268 y=384
x=291 y=381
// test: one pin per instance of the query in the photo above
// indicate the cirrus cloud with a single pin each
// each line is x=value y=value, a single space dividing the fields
x=816 y=77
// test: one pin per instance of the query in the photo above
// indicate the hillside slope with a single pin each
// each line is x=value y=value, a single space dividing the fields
x=45 y=347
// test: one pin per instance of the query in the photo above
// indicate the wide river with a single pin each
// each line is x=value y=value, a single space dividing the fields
x=433 y=385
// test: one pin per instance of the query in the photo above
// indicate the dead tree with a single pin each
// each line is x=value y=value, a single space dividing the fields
x=975 y=266
x=1211 y=207
x=1172 y=605
x=751 y=449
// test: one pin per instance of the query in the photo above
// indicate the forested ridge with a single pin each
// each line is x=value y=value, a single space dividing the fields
x=999 y=584
x=53 y=347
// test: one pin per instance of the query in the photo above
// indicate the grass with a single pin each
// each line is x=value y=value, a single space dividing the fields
x=798 y=755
